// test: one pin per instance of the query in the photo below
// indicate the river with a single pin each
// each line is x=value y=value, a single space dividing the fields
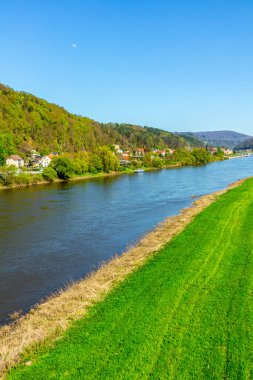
x=54 y=234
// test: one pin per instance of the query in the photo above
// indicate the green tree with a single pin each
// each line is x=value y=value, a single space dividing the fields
x=184 y=157
x=109 y=160
x=147 y=160
x=202 y=156
x=95 y=164
x=49 y=174
x=63 y=167
x=7 y=147
x=157 y=162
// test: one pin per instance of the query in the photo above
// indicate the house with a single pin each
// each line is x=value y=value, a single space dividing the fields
x=213 y=150
x=227 y=151
x=45 y=161
x=15 y=160
x=117 y=148
x=161 y=152
x=139 y=152
x=53 y=155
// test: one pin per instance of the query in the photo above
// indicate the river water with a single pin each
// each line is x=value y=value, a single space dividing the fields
x=54 y=234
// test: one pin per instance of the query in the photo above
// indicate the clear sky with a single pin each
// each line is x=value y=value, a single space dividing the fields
x=176 y=65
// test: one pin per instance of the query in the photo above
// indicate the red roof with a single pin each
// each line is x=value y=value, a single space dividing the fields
x=15 y=157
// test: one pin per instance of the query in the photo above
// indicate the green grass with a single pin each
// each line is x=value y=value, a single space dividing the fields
x=186 y=314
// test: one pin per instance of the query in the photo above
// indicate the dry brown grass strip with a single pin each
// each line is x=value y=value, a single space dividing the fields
x=48 y=320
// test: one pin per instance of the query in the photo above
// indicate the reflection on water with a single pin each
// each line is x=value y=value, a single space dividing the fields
x=54 y=234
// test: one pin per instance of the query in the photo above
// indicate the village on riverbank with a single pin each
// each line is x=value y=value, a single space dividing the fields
x=35 y=168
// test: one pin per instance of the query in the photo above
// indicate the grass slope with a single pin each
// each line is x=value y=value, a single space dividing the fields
x=186 y=314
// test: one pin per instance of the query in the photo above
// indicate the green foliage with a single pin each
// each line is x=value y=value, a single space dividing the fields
x=37 y=178
x=219 y=154
x=6 y=146
x=132 y=136
x=95 y=164
x=32 y=123
x=49 y=174
x=23 y=179
x=63 y=166
x=185 y=314
x=109 y=160
x=201 y=155
x=157 y=162
x=184 y=157
x=147 y=160
x=7 y=175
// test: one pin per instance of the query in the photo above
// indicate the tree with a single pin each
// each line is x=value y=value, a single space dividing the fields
x=157 y=162
x=63 y=167
x=7 y=147
x=49 y=174
x=109 y=160
x=95 y=164
x=202 y=156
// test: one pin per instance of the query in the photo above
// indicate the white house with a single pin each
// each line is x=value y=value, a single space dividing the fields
x=45 y=161
x=16 y=161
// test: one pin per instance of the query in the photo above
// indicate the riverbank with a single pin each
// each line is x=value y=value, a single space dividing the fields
x=84 y=177
x=48 y=320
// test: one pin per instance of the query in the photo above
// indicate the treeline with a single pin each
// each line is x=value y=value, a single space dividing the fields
x=130 y=136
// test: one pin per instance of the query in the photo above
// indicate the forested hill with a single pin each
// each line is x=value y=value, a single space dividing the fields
x=28 y=122
x=247 y=144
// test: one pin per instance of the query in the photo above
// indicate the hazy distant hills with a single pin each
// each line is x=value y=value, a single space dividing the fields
x=229 y=139
x=246 y=144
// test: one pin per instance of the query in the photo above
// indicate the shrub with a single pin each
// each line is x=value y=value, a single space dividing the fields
x=95 y=164
x=63 y=167
x=37 y=178
x=49 y=174
x=22 y=179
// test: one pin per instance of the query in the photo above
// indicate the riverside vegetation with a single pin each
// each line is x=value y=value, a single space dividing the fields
x=102 y=161
x=186 y=313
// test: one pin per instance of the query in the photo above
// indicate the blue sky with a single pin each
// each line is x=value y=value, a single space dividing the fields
x=175 y=65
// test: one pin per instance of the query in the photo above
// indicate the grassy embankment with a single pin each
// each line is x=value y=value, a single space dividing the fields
x=186 y=314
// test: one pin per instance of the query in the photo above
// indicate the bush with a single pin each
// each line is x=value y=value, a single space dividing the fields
x=157 y=162
x=22 y=179
x=95 y=164
x=6 y=179
x=49 y=174
x=80 y=166
x=37 y=178
x=64 y=167
x=7 y=175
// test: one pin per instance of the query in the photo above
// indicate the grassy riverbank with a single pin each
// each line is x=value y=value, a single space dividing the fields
x=187 y=313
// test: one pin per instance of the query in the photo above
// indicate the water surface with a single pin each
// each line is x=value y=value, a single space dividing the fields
x=54 y=234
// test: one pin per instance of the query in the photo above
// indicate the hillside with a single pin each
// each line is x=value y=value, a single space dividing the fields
x=28 y=122
x=247 y=144
x=227 y=139
x=192 y=139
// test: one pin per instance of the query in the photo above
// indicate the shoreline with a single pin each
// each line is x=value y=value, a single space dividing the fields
x=86 y=176
x=99 y=175
x=48 y=320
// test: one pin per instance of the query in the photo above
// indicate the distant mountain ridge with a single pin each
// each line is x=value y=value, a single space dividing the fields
x=229 y=139
x=246 y=144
